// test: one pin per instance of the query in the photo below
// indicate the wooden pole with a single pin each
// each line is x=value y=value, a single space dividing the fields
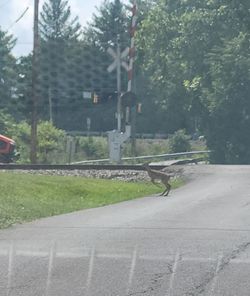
x=34 y=119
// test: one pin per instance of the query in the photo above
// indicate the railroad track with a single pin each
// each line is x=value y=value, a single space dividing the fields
x=82 y=167
x=74 y=167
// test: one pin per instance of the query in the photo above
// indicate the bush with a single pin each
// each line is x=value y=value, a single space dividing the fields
x=49 y=138
x=179 y=142
x=21 y=135
x=94 y=148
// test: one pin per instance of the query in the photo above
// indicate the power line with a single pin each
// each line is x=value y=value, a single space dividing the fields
x=19 y=18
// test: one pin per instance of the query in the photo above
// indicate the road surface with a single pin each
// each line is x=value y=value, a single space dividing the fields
x=194 y=242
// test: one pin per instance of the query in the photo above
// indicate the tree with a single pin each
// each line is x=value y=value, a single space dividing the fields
x=227 y=127
x=110 y=23
x=59 y=40
x=107 y=28
x=197 y=60
x=56 y=22
x=159 y=42
x=23 y=98
x=7 y=71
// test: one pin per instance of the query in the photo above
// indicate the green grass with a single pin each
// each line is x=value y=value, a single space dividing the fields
x=25 y=197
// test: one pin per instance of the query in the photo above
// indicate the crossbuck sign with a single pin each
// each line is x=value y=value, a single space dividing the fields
x=116 y=58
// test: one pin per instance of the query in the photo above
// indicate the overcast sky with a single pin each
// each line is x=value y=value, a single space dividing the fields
x=11 y=10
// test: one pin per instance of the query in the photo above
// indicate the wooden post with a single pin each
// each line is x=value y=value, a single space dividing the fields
x=34 y=119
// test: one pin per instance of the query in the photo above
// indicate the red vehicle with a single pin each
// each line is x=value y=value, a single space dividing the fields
x=8 y=151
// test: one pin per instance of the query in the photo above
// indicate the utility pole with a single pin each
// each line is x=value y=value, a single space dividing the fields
x=118 y=78
x=34 y=119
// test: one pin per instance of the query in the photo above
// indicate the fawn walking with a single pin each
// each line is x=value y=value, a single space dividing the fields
x=157 y=175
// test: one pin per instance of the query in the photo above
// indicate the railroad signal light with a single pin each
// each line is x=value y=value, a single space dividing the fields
x=98 y=97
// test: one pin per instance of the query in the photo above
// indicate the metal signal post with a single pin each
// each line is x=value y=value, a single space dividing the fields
x=118 y=62
x=117 y=137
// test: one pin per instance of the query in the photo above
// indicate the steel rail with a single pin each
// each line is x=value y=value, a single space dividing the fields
x=135 y=167
x=75 y=167
x=147 y=157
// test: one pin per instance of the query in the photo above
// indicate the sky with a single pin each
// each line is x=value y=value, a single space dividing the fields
x=11 y=10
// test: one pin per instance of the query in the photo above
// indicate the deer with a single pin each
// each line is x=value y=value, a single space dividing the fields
x=158 y=175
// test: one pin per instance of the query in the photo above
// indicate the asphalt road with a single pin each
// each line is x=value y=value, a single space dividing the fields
x=194 y=242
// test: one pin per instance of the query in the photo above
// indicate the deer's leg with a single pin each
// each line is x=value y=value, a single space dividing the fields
x=166 y=186
x=166 y=192
x=163 y=193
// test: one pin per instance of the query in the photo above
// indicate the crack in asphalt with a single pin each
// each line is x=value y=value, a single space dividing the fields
x=199 y=289
x=155 y=282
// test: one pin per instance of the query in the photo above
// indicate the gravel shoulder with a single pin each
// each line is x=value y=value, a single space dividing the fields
x=121 y=175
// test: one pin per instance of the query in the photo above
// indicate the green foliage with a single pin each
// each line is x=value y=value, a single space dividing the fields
x=198 y=64
x=110 y=23
x=147 y=147
x=70 y=65
x=229 y=117
x=179 y=142
x=49 y=139
x=94 y=148
x=23 y=99
x=106 y=28
x=21 y=135
x=59 y=68
x=7 y=123
x=8 y=74
x=56 y=22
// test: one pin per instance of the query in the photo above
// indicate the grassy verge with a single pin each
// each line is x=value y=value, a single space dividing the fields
x=28 y=197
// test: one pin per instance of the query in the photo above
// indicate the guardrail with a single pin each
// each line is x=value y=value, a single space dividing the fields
x=165 y=156
x=104 y=134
